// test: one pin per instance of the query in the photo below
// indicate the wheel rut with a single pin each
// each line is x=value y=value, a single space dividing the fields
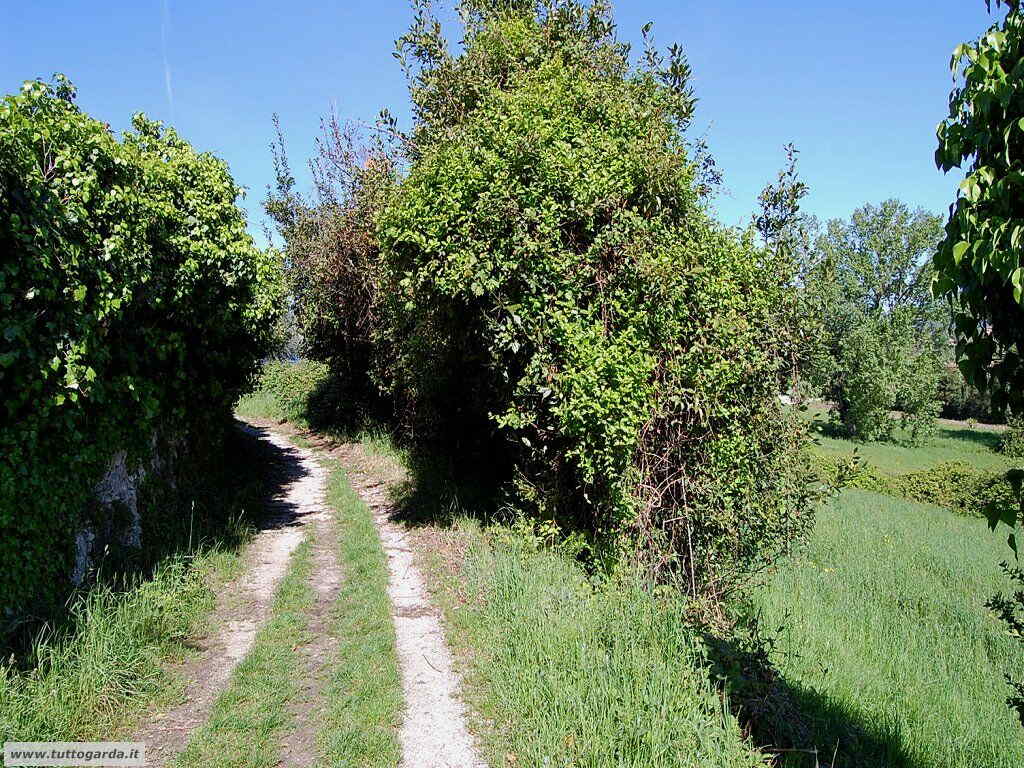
x=243 y=605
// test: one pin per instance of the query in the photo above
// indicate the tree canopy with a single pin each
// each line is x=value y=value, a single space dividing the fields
x=884 y=338
x=560 y=304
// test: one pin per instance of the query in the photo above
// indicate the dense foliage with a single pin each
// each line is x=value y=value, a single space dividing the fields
x=1013 y=440
x=133 y=302
x=955 y=485
x=307 y=392
x=979 y=265
x=884 y=338
x=562 y=304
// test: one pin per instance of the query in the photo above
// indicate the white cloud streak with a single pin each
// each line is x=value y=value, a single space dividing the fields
x=165 y=23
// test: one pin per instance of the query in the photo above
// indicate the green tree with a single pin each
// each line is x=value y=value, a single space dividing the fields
x=562 y=306
x=886 y=337
x=979 y=265
x=332 y=255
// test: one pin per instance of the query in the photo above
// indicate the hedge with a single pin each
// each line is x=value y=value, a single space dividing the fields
x=955 y=485
x=134 y=304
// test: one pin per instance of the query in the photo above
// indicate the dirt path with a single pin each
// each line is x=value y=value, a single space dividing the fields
x=299 y=747
x=244 y=604
x=434 y=732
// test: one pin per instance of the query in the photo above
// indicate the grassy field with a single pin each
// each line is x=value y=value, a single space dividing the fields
x=886 y=642
x=954 y=441
x=977 y=447
x=562 y=672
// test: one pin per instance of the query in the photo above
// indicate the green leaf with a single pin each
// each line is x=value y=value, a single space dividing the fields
x=959 y=250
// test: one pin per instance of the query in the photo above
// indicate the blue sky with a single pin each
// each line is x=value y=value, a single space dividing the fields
x=858 y=87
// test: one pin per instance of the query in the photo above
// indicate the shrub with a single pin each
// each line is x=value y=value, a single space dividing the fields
x=1012 y=443
x=291 y=385
x=882 y=368
x=955 y=485
x=883 y=335
x=133 y=303
x=868 y=390
x=561 y=304
x=305 y=392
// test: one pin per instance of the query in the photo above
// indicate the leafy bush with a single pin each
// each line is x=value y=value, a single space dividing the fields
x=305 y=392
x=955 y=485
x=868 y=390
x=1013 y=440
x=917 y=397
x=291 y=385
x=133 y=302
x=881 y=368
x=561 y=303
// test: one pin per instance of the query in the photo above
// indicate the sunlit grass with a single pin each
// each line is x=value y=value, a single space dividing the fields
x=886 y=639
x=976 y=447
x=95 y=680
x=565 y=673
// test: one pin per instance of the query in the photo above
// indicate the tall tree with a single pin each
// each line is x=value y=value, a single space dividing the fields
x=564 y=309
x=882 y=258
x=979 y=265
x=885 y=336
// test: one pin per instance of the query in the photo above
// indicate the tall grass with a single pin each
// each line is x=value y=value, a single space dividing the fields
x=563 y=672
x=90 y=682
x=885 y=642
